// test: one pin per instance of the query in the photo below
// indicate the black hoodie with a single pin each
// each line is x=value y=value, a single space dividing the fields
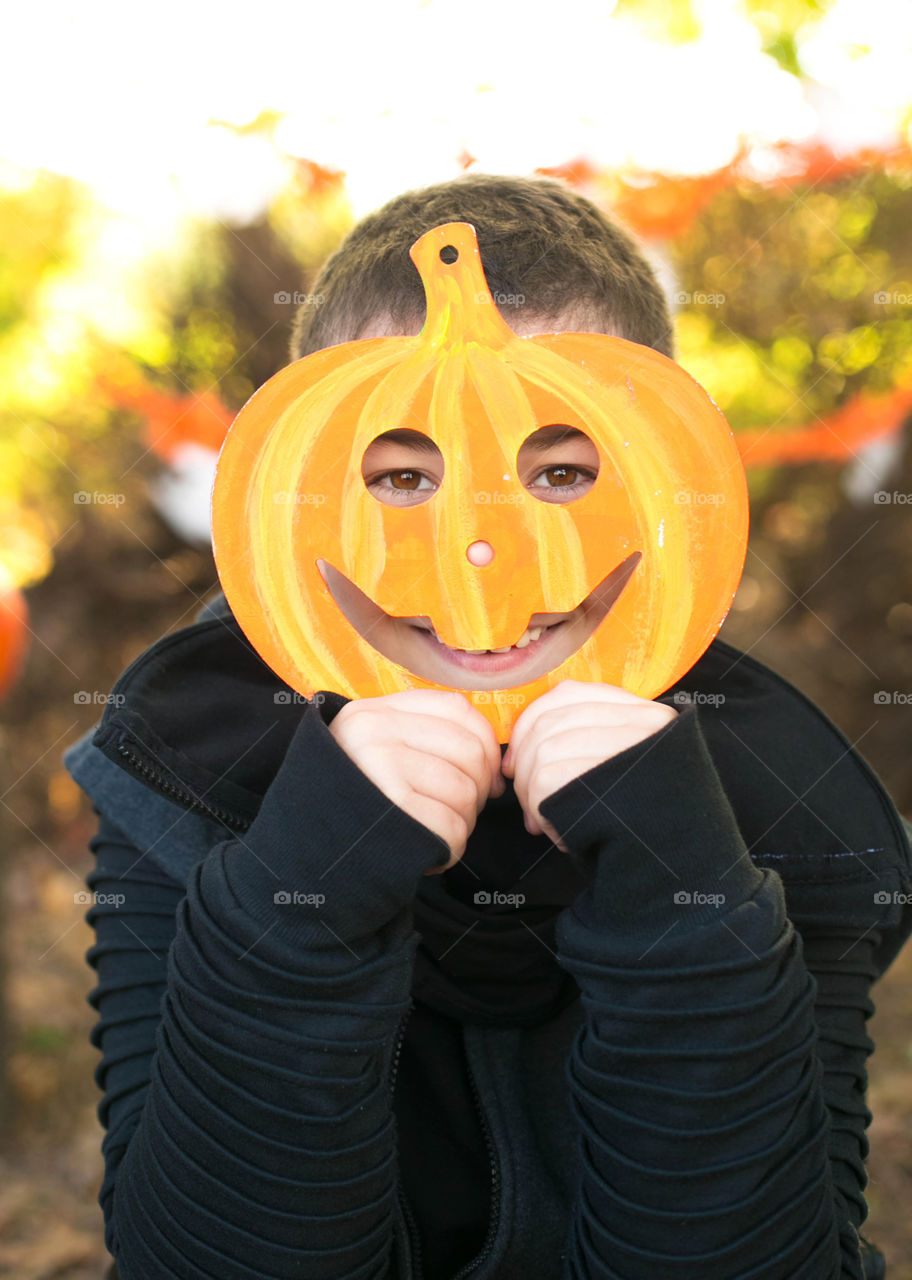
x=319 y=1062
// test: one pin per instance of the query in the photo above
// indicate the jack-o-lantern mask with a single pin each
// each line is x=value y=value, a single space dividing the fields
x=369 y=584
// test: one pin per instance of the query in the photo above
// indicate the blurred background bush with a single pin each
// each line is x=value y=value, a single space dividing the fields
x=764 y=162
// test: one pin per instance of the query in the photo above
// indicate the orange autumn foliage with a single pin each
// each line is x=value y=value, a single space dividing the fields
x=172 y=420
x=663 y=206
x=14 y=636
x=835 y=438
x=318 y=179
x=577 y=173
x=654 y=205
x=813 y=162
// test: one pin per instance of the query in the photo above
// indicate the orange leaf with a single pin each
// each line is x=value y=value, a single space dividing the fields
x=14 y=636
x=835 y=438
x=173 y=420
x=319 y=179
x=575 y=172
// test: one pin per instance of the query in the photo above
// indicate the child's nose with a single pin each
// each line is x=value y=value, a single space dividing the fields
x=479 y=554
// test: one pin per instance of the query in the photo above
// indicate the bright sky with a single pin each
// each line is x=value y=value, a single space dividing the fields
x=393 y=92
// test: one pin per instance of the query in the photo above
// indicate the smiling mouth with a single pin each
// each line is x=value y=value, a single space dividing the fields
x=412 y=642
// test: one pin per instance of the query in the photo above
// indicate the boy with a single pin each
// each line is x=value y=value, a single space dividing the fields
x=381 y=1003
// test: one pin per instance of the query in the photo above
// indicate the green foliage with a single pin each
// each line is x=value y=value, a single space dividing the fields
x=45 y=1039
x=782 y=23
x=816 y=295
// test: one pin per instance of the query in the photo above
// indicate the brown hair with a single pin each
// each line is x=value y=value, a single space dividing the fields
x=547 y=251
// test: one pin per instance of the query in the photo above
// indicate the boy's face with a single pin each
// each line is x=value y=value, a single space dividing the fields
x=403 y=468
x=551 y=468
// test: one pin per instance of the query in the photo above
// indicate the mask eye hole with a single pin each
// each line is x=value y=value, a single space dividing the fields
x=402 y=468
x=557 y=463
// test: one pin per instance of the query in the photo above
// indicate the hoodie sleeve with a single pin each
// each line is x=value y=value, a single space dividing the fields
x=248 y=1029
x=718 y=1079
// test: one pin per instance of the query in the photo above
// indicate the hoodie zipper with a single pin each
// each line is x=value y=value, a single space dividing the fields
x=184 y=797
x=411 y=1226
x=495 y=1176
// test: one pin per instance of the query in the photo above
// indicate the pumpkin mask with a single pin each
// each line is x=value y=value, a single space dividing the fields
x=340 y=586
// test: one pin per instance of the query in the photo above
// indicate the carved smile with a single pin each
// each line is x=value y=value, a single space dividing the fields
x=412 y=643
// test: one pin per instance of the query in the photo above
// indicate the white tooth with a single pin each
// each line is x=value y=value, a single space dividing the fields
x=527 y=637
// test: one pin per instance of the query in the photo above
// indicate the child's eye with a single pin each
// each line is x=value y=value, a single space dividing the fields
x=561 y=483
x=402 y=487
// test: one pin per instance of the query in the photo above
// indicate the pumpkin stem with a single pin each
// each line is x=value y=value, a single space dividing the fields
x=459 y=303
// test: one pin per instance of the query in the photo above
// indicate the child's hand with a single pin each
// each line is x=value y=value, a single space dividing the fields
x=428 y=751
x=569 y=730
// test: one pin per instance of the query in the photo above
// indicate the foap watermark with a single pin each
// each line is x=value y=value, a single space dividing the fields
x=501 y=299
x=297 y=898
x=693 y=497
x=297 y=299
x=487 y=898
x=886 y=697
x=893 y=297
x=499 y=697
x=86 y=899
x=289 y=497
x=883 y=496
x=83 y=498
x=688 y=898
x=285 y=697
x=883 y=898
x=687 y=698
x=495 y=498
x=84 y=697
x=699 y=298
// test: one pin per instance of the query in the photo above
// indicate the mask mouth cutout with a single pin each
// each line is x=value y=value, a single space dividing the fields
x=548 y=640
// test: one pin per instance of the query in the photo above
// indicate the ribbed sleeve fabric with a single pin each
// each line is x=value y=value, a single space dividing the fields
x=720 y=1135
x=247 y=1039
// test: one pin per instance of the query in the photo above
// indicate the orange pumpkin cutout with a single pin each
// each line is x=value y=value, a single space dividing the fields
x=665 y=519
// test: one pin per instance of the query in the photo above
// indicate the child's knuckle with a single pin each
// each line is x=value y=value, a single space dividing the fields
x=455 y=830
x=476 y=755
x=548 y=779
x=463 y=789
x=453 y=699
x=547 y=750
